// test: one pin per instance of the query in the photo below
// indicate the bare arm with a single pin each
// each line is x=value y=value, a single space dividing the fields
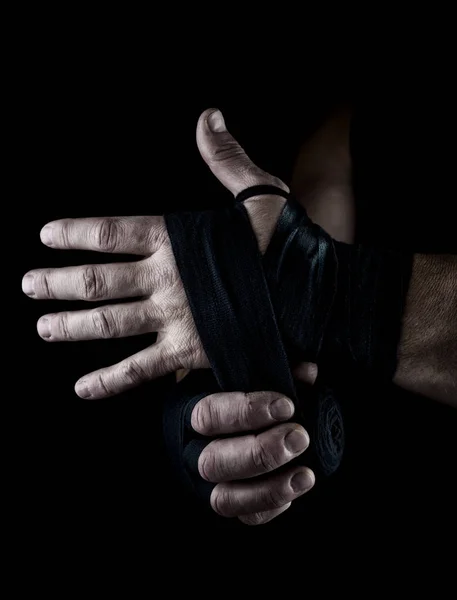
x=427 y=355
x=322 y=179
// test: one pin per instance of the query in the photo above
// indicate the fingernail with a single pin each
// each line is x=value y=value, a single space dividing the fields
x=46 y=235
x=44 y=327
x=281 y=409
x=216 y=122
x=296 y=441
x=27 y=285
x=300 y=482
x=82 y=390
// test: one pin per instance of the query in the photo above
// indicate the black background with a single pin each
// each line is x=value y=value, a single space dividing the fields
x=104 y=124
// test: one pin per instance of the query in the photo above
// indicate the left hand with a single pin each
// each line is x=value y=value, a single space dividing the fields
x=163 y=306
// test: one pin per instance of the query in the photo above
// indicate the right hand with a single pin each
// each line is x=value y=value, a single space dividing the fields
x=245 y=467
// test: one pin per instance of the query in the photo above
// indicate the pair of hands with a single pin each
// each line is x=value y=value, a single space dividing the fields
x=162 y=307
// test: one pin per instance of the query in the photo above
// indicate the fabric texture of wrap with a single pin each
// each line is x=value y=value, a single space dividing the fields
x=308 y=298
x=223 y=275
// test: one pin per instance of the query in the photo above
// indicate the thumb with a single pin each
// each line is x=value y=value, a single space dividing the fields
x=226 y=158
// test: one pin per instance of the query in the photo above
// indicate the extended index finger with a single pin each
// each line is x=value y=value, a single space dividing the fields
x=125 y=235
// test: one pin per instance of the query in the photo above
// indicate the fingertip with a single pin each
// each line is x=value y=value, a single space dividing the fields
x=28 y=284
x=46 y=235
x=281 y=409
x=44 y=327
x=216 y=122
x=203 y=119
x=82 y=389
x=198 y=420
x=302 y=481
x=296 y=439
x=312 y=476
x=211 y=121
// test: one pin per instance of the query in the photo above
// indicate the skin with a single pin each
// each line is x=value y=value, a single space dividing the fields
x=427 y=353
x=163 y=308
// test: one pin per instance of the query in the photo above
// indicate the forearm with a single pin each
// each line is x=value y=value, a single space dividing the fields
x=427 y=353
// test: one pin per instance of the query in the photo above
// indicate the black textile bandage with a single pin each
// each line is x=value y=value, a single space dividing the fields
x=341 y=302
x=221 y=269
x=308 y=298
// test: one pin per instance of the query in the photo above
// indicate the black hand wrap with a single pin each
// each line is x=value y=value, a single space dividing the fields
x=339 y=301
x=307 y=298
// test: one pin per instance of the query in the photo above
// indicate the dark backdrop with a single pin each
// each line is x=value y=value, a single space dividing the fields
x=105 y=126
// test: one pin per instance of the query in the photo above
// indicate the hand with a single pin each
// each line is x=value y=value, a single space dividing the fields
x=163 y=306
x=231 y=462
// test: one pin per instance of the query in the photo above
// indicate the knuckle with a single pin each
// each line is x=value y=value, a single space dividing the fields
x=93 y=285
x=63 y=327
x=182 y=354
x=275 y=496
x=249 y=409
x=102 y=384
x=262 y=457
x=252 y=407
x=228 y=152
x=104 y=324
x=106 y=234
x=163 y=273
x=133 y=373
x=253 y=519
x=43 y=284
x=277 y=182
x=63 y=233
x=157 y=233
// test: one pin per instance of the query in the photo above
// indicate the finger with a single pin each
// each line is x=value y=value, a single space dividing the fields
x=91 y=282
x=106 y=322
x=235 y=170
x=260 y=518
x=129 y=235
x=234 y=412
x=306 y=372
x=225 y=157
x=238 y=498
x=252 y=455
x=153 y=362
